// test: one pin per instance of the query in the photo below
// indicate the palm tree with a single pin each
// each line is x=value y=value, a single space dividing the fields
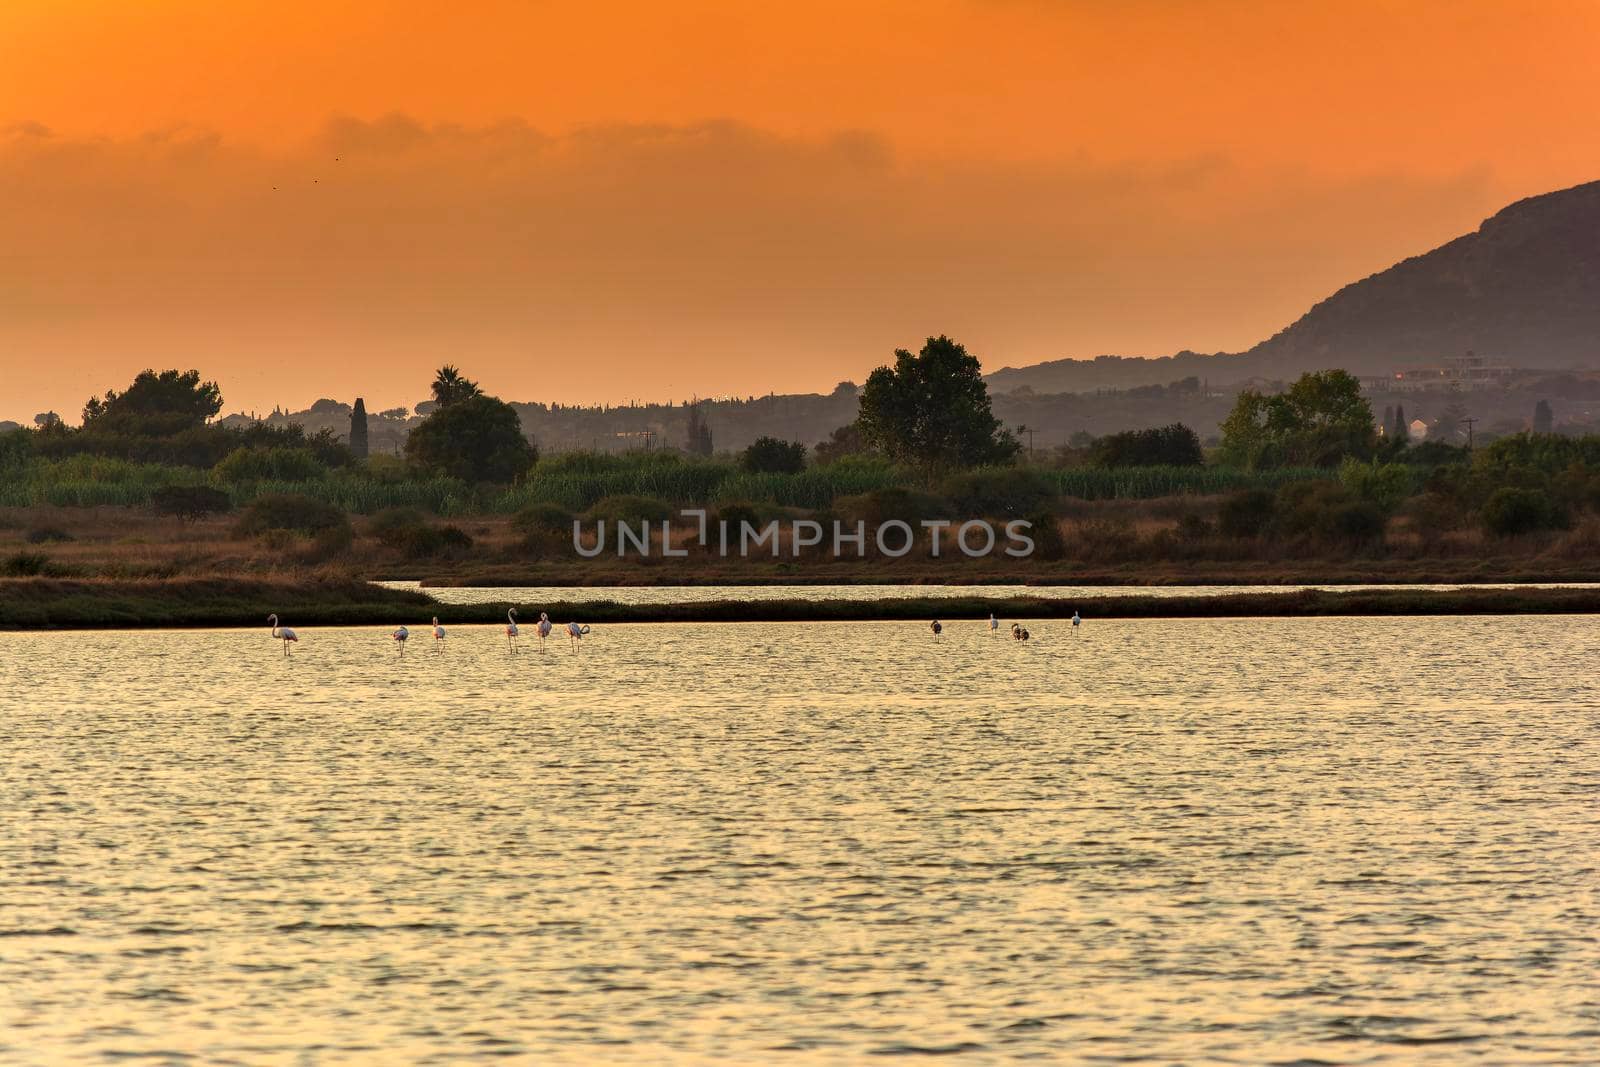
x=449 y=386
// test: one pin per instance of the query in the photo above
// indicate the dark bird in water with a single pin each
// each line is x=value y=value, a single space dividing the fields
x=1018 y=633
x=936 y=627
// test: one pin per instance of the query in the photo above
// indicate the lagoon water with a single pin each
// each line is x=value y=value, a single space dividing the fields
x=1238 y=841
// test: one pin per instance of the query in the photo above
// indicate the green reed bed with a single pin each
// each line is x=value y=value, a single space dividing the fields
x=1144 y=483
x=579 y=480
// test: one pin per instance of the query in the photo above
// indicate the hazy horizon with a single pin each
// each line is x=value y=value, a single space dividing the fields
x=711 y=200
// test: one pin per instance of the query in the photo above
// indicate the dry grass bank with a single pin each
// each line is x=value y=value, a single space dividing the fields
x=1166 y=541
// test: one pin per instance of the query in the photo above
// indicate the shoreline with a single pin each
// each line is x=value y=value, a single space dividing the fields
x=68 y=604
x=1164 y=576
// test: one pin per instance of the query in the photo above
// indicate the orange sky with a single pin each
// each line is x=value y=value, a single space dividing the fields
x=598 y=201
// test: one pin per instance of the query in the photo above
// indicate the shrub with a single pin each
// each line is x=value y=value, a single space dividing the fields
x=1577 y=488
x=881 y=505
x=392 y=526
x=24 y=565
x=16 y=446
x=543 y=519
x=734 y=515
x=190 y=503
x=286 y=511
x=383 y=469
x=545 y=529
x=1327 y=512
x=1434 y=454
x=1355 y=522
x=998 y=492
x=409 y=530
x=1546 y=453
x=1192 y=527
x=1384 y=485
x=328 y=543
x=426 y=541
x=1103 y=539
x=1510 y=512
x=1246 y=514
x=1048 y=543
x=771 y=456
x=1165 y=446
x=1431 y=515
x=631 y=509
x=45 y=535
x=270 y=464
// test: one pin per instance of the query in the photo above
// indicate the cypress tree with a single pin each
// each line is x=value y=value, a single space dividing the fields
x=358 y=430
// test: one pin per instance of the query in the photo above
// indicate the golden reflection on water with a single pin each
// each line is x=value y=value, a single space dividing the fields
x=1208 y=841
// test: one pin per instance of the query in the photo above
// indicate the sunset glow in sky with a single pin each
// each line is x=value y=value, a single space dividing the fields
x=603 y=201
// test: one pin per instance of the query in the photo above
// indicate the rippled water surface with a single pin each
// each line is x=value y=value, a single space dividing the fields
x=1274 y=841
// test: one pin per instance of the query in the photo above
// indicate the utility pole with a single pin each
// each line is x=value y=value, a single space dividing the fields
x=1468 y=423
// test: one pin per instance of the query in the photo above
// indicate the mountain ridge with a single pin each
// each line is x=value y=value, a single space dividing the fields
x=1522 y=290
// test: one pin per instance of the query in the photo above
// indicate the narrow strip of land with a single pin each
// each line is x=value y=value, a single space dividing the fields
x=44 y=603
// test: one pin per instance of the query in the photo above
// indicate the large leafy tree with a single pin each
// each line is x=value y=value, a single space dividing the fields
x=1320 y=420
x=156 y=403
x=450 y=386
x=476 y=439
x=932 y=408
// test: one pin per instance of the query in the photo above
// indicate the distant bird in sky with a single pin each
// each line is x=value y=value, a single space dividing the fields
x=282 y=633
x=401 y=636
x=511 y=628
x=438 y=634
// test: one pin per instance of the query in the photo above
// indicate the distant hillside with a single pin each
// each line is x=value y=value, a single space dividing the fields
x=1116 y=372
x=1523 y=290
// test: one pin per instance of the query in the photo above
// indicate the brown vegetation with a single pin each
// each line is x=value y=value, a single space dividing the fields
x=1164 y=541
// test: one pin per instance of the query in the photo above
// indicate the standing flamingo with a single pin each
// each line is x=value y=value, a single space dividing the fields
x=545 y=626
x=576 y=632
x=438 y=635
x=511 y=629
x=994 y=625
x=282 y=633
x=1075 y=619
x=936 y=627
x=401 y=636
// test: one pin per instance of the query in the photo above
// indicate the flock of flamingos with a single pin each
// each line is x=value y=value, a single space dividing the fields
x=575 y=632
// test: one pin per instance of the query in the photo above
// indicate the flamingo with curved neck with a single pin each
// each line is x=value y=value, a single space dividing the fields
x=282 y=633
